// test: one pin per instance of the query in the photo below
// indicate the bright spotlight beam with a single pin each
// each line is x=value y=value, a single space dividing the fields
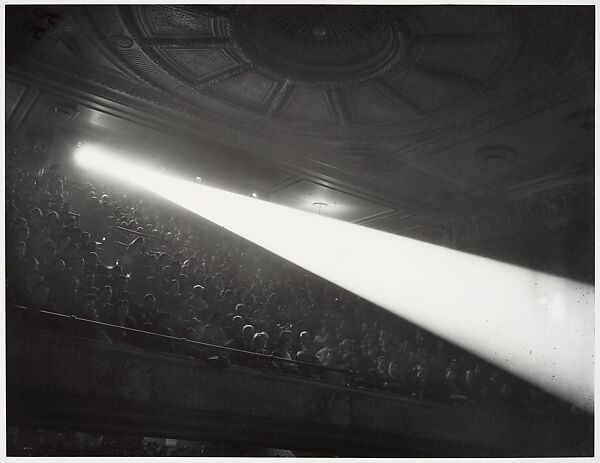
x=537 y=326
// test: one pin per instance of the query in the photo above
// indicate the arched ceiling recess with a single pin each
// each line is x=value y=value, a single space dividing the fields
x=319 y=69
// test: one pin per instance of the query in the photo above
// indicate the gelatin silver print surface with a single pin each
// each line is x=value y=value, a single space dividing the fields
x=299 y=230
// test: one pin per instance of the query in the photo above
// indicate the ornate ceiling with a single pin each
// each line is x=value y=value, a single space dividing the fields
x=356 y=71
x=448 y=123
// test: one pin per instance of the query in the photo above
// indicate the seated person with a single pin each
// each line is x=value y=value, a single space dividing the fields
x=282 y=350
x=120 y=317
x=92 y=331
x=158 y=326
x=243 y=342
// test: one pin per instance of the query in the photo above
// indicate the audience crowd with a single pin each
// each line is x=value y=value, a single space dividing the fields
x=76 y=248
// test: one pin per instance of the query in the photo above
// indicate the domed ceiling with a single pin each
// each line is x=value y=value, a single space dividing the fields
x=312 y=68
x=469 y=126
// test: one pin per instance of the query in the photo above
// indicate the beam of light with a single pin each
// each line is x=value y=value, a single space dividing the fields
x=537 y=326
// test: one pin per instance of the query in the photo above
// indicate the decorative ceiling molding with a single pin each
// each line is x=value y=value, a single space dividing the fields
x=527 y=218
x=200 y=32
x=378 y=129
x=14 y=95
x=377 y=176
x=343 y=114
x=26 y=102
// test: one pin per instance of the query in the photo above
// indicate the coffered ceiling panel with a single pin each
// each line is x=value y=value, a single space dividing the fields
x=379 y=101
x=306 y=103
x=427 y=89
x=252 y=89
x=198 y=64
x=165 y=21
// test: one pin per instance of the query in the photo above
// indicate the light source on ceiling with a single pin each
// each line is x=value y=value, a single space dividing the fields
x=320 y=205
x=537 y=326
x=254 y=195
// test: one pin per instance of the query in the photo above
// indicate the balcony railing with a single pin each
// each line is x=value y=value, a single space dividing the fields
x=57 y=377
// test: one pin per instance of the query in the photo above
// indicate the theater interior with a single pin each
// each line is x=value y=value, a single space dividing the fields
x=467 y=128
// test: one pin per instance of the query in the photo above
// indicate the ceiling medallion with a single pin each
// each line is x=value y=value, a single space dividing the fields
x=317 y=43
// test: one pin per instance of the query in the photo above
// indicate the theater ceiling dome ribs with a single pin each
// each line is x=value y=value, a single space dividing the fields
x=318 y=68
x=453 y=124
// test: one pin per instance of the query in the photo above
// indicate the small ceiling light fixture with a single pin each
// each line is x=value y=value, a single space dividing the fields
x=320 y=205
x=254 y=195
